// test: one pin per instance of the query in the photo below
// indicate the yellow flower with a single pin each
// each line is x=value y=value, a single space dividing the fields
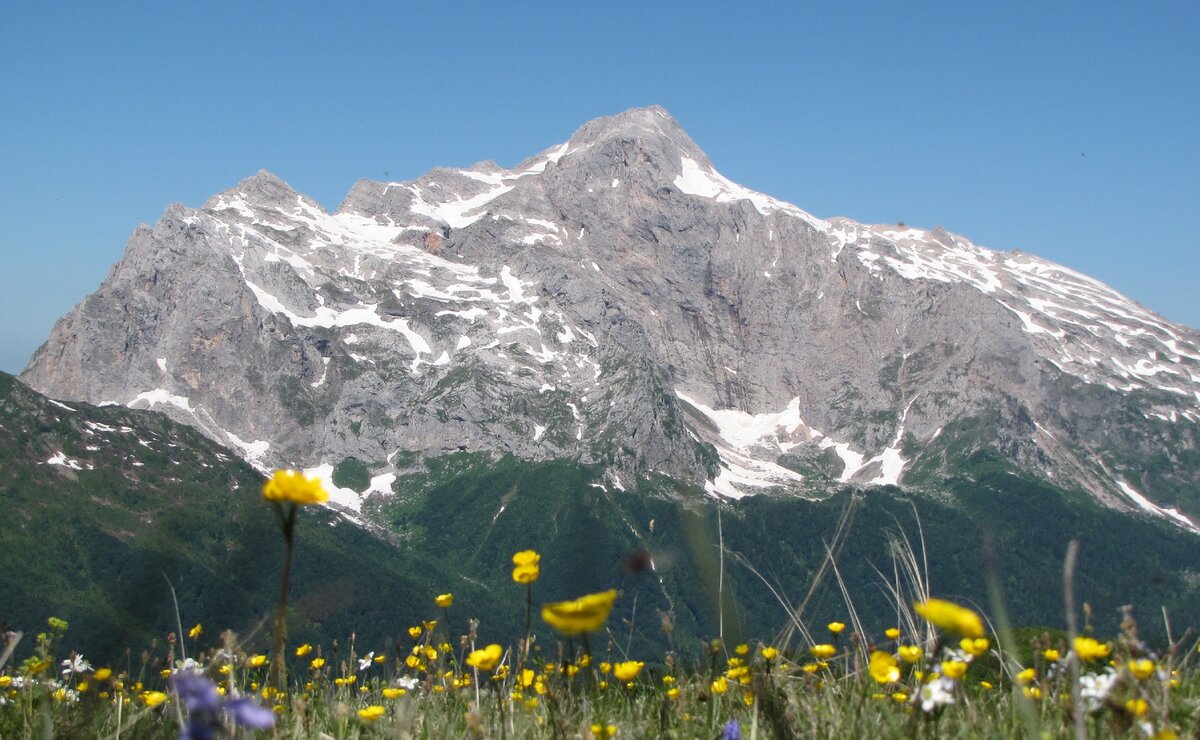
x=195 y=632
x=974 y=646
x=628 y=670
x=823 y=651
x=892 y=633
x=910 y=653
x=1051 y=655
x=152 y=698
x=485 y=659
x=719 y=686
x=5 y=682
x=254 y=661
x=769 y=653
x=303 y=650
x=371 y=713
x=836 y=627
x=414 y=632
x=742 y=649
x=1141 y=668
x=585 y=614
x=292 y=486
x=986 y=685
x=1028 y=675
x=1032 y=692
x=1088 y=649
x=955 y=669
x=899 y=697
x=526 y=568
x=951 y=617
x=394 y=693
x=673 y=692
x=602 y=731
x=317 y=663
x=884 y=668
x=1137 y=707
x=444 y=600
x=101 y=674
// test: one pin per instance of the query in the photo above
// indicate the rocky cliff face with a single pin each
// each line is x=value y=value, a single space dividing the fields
x=615 y=300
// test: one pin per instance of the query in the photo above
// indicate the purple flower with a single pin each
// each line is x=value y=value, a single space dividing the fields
x=249 y=713
x=732 y=731
x=195 y=692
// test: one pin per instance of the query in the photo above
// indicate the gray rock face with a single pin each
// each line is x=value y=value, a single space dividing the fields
x=615 y=300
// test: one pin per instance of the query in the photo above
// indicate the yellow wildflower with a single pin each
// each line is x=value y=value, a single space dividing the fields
x=255 y=661
x=627 y=670
x=899 y=697
x=910 y=653
x=195 y=632
x=102 y=674
x=526 y=568
x=414 y=632
x=303 y=650
x=719 y=686
x=152 y=698
x=769 y=653
x=1028 y=675
x=673 y=692
x=1032 y=692
x=892 y=633
x=293 y=487
x=823 y=651
x=1137 y=707
x=5 y=682
x=317 y=663
x=742 y=649
x=371 y=713
x=585 y=614
x=974 y=647
x=602 y=731
x=836 y=627
x=1088 y=648
x=394 y=693
x=444 y=600
x=955 y=669
x=884 y=668
x=486 y=658
x=1142 y=668
x=1051 y=655
x=951 y=617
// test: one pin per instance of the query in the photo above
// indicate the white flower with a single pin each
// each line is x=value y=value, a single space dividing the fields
x=75 y=664
x=187 y=664
x=962 y=656
x=409 y=683
x=1095 y=688
x=365 y=662
x=937 y=693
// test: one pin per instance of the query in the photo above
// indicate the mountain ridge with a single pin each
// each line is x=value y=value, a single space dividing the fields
x=615 y=300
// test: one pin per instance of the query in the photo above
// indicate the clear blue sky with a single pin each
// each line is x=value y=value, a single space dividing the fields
x=1070 y=130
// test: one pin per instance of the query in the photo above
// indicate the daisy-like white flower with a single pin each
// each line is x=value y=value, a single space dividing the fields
x=1094 y=688
x=365 y=662
x=937 y=693
x=75 y=664
x=407 y=682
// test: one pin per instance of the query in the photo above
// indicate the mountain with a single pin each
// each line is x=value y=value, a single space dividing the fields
x=114 y=517
x=615 y=301
x=111 y=510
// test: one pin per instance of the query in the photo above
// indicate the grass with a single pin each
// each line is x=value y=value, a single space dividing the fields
x=938 y=669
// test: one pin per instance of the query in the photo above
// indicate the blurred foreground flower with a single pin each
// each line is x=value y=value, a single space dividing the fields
x=951 y=617
x=486 y=658
x=585 y=614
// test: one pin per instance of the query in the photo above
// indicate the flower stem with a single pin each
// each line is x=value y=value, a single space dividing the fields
x=277 y=676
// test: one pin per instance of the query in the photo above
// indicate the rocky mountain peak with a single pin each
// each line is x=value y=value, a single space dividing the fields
x=615 y=300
